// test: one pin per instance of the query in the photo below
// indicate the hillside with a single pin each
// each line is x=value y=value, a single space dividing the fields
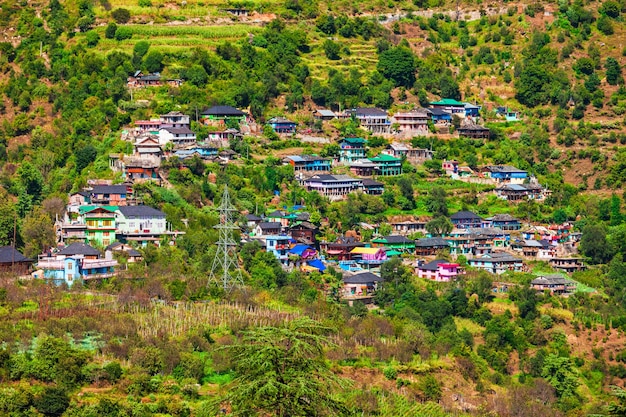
x=162 y=337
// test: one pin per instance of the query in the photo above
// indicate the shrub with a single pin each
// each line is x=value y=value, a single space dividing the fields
x=123 y=33
x=121 y=15
x=109 y=33
x=390 y=373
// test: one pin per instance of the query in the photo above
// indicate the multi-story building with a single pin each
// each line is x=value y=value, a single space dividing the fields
x=439 y=270
x=497 y=263
x=412 y=123
x=100 y=222
x=373 y=119
x=76 y=262
x=466 y=219
x=504 y=174
x=335 y=187
x=175 y=119
x=178 y=136
x=141 y=224
x=387 y=165
x=351 y=150
x=308 y=163
x=401 y=150
x=555 y=284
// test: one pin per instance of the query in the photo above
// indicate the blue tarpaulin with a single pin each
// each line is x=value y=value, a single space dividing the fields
x=299 y=249
x=316 y=263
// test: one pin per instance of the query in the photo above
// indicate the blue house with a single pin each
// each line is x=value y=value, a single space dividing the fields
x=308 y=163
x=76 y=262
x=466 y=219
x=440 y=116
x=471 y=110
x=282 y=125
x=504 y=222
x=278 y=245
x=351 y=149
x=505 y=174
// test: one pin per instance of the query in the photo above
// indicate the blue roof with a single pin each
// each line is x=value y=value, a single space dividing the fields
x=316 y=263
x=299 y=249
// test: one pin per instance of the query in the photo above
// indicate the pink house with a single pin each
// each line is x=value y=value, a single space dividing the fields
x=369 y=255
x=439 y=270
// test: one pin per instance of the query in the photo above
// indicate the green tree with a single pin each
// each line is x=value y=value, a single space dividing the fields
x=398 y=64
x=613 y=71
x=436 y=202
x=281 y=371
x=406 y=189
x=109 y=32
x=561 y=374
x=439 y=226
x=31 y=180
x=332 y=50
x=53 y=401
x=153 y=61
x=121 y=15
x=38 y=232
x=594 y=244
x=618 y=409
x=84 y=156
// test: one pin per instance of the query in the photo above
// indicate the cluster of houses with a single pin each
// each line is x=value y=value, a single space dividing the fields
x=512 y=184
x=101 y=218
x=486 y=243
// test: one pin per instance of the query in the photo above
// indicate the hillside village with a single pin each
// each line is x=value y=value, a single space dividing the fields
x=312 y=208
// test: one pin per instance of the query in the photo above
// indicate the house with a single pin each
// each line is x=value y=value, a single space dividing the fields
x=282 y=125
x=308 y=163
x=141 y=224
x=268 y=228
x=79 y=198
x=100 y=222
x=477 y=241
x=13 y=262
x=465 y=219
x=520 y=192
x=504 y=222
x=335 y=187
x=115 y=195
x=363 y=167
x=323 y=114
x=397 y=242
x=178 y=136
x=529 y=248
x=568 y=265
x=141 y=169
x=76 y=262
x=555 y=284
x=387 y=165
x=450 y=167
x=127 y=251
x=282 y=217
x=450 y=106
x=252 y=220
x=405 y=227
x=430 y=246
x=175 y=119
x=351 y=150
x=279 y=246
x=504 y=174
x=400 y=150
x=373 y=119
x=149 y=146
x=222 y=114
x=341 y=248
x=139 y=79
x=360 y=285
x=369 y=256
x=303 y=251
x=472 y=110
x=439 y=116
x=474 y=131
x=151 y=126
x=305 y=232
x=372 y=187
x=497 y=263
x=439 y=270
x=224 y=136
x=412 y=123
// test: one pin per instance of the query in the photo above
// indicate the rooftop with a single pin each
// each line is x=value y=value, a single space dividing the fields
x=8 y=254
x=79 y=248
x=223 y=111
x=447 y=102
x=140 y=211
x=361 y=278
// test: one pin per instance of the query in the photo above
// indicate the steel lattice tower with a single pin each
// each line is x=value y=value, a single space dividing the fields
x=226 y=260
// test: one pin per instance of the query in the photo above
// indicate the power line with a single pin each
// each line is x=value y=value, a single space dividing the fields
x=226 y=261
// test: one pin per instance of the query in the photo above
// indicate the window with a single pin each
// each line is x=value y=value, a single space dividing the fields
x=107 y=222
x=106 y=233
x=70 y=277
x=91 y=223
x=70 y=265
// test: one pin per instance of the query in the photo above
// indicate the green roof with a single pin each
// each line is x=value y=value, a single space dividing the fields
x=88 y=208
x=447 y=102
x=383 y=157
x=393 y=252
x=354 y=140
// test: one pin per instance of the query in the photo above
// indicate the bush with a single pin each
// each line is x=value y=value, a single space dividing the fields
x=123 y=33
x=109 y=33
x=121 y=15
x=390 y=373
